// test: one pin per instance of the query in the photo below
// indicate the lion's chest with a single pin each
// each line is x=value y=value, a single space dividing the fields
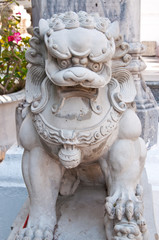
x=73 y=113
x=77 y=121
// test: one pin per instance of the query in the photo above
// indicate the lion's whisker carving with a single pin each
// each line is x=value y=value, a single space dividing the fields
x=81 y=111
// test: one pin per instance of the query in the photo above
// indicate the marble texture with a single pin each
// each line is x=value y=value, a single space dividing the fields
x=80 y=111
x=128 y=15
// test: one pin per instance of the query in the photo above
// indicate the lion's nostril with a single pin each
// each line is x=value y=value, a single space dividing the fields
x=76 y=72
x=75 y=60
x=83 y=61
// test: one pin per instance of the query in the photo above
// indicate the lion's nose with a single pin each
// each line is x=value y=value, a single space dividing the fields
x=77 y=74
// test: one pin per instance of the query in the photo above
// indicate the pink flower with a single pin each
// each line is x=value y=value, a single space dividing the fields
x=10 y=18
x=18 y=13
x=10 y=38
x=17 y=37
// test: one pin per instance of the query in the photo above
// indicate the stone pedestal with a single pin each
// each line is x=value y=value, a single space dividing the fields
x=147 y=111
x=80 y=216
x=146 y=106
x=149 y=125
x=8 y=104
x=154 y=86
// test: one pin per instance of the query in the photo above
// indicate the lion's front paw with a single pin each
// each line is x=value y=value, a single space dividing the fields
x=35 y=234
x=116 y=208
x=121 y=207
x=128 y=207
x=126 y=231
x=125 y=204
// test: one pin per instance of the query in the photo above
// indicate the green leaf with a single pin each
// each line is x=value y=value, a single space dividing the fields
x=6 y=54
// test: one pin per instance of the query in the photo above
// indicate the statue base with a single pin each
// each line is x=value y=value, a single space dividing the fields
x=80 y=216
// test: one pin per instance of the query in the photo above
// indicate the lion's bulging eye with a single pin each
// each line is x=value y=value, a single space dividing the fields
x=64 y=63
x=95 y=67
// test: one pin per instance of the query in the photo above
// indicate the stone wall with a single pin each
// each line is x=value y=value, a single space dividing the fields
x=150 y=21
x=126 y=12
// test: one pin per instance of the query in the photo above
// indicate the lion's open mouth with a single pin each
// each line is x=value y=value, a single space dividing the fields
x=78 y=91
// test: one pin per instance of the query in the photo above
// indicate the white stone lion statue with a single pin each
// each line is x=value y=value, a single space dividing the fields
x=79 y=109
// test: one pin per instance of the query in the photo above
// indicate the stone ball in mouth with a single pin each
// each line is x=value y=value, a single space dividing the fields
x=70 y=156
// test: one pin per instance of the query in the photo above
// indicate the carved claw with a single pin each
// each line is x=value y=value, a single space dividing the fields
x=142 y=225
x=35 y=234
x=138 y=211
x=139 y=191
x=109 y=209
x=120 y=208
x=125 y=204
x=129 y=209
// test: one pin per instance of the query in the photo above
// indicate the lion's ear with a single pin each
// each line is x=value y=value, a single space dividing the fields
x=121 y=89
x=113 y=30
x=35 y=76
x=43 y=27
x=127 y=85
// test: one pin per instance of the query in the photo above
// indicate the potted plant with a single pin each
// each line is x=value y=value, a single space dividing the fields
x=12 y=74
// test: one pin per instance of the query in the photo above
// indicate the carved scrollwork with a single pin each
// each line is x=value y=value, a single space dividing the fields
x=36 y=68
x=95 y=106
x=121 y=57
x=70 y=20
x=35 y=55
x=137 y=64
x=127 y=86
x=40 y=102
x=121 y=89
x=35 y=76
x=122 y=62
x=115 y=96
x=83 y=137
x=121 y=51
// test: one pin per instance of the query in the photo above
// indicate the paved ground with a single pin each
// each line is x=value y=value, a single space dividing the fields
x=152 y=164
x=11 y=201
x=12 y=191
x=152 y=168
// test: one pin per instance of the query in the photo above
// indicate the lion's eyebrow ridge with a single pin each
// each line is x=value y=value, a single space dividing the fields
x=80 y=54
